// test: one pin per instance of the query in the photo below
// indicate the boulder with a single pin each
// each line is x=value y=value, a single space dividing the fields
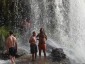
x=57 y=54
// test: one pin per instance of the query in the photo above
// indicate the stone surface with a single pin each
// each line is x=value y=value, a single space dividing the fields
x=57 y=54
x=5 y=56
x=57 y=57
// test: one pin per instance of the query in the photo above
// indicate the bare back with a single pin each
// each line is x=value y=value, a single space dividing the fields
x=11 y=41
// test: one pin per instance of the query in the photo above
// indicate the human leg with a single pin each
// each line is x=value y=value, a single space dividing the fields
x=14 y=59
x=35 y=51
x=11 y=60
x=39 y=52
x=12 y=53
x=33 y=57
x=44 y=53
x=39 y=47
x=44 y=50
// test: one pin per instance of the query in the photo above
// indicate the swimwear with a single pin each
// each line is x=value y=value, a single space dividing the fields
x=12 y=51
x=33 y=48
x=42 y=46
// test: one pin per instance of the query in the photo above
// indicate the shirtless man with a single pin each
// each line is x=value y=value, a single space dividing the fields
x=42 y=42
x=10 y=44
x=33 y=46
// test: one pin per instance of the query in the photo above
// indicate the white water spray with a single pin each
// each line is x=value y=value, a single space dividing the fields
x=74 y=43
x=64 y=24
x=68 y=30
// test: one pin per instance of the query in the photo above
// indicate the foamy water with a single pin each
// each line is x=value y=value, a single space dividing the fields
x=4 y=61
x=64 y=23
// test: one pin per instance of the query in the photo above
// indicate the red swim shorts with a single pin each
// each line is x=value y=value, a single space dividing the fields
x=42 y=46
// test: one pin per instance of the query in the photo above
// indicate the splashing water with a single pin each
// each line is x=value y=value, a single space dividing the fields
x=73 y=40
x=77 y=30
x=63 y=21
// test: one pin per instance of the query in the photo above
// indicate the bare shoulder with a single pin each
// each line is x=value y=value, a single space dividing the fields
x=14 y=37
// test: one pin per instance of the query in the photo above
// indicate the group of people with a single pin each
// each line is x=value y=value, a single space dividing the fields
x=11 y=44
x=41 y=45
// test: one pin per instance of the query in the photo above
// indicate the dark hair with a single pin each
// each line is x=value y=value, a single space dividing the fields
x=33 y=32
x=10 y=32
x=41 y=30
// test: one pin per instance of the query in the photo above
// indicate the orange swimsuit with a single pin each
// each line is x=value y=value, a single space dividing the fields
x=42 y=46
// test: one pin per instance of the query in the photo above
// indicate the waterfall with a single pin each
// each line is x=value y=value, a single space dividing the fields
x=77 y=12
x=63 y=21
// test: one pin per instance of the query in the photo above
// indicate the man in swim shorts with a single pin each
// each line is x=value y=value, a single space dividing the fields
x=10 y=45
x=33 y=46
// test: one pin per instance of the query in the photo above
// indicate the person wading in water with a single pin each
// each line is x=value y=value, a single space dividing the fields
x=42 y=42
x=33 y=46
x=10 y=45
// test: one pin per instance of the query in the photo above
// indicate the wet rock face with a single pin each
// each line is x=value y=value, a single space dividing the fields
x=57 y=54
x=4 y=55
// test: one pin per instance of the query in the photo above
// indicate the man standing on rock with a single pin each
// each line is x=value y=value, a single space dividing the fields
x=10 y=45
x=33 y=46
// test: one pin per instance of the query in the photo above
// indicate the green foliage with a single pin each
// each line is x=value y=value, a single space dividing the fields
x=3 y=31
x=3 y=35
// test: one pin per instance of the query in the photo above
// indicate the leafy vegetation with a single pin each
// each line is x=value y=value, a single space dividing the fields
x=12 y=12
x=3 y=35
